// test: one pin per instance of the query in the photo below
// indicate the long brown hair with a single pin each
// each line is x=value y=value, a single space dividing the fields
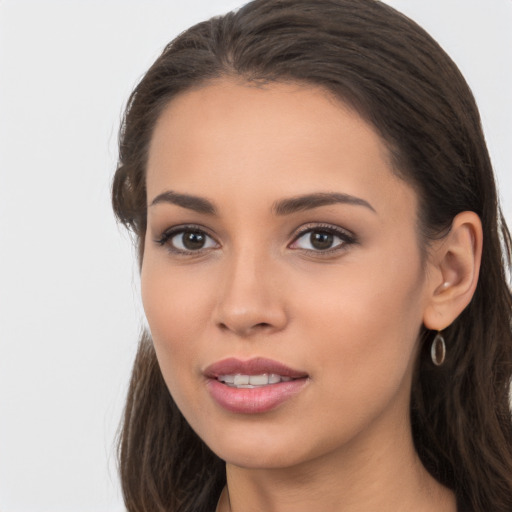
x=397 y=78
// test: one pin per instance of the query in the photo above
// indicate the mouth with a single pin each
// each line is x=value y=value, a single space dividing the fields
x=255 y=372
x=254 y=386
x=241 y=381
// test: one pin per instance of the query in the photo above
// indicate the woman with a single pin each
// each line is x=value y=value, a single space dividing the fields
x=321 y=270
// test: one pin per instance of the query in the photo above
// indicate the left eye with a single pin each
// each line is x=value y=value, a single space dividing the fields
x=319 y=240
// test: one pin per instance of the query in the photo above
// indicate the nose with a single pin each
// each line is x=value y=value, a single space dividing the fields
x=250 y=300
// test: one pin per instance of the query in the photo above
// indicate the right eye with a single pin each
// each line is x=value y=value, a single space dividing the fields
x=187 y=240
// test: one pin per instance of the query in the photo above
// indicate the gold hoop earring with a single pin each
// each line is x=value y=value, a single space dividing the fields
x=438 y=350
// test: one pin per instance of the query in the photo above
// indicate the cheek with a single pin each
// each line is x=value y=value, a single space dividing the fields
x=366 y=319
x=363 y=345
x=176 y=303
x=174 y=307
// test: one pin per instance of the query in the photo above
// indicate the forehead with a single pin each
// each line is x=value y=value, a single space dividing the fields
x=278 y=139
x=280 y=113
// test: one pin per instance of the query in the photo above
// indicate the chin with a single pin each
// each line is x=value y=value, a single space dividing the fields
x=261 y=448
x=260 y=459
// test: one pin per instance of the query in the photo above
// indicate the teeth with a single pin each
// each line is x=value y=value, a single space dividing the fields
x=258 y=380
x=251 y=381
x=241 y=380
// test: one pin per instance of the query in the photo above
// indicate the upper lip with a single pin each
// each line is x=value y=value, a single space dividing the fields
x=255 y=366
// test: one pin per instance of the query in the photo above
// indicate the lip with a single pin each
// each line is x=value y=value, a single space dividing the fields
x=255 y=366
x=253 y=400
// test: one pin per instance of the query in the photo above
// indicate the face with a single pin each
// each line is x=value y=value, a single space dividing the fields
x=282 y=276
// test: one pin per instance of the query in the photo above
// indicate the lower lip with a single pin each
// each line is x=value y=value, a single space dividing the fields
x=254 y=400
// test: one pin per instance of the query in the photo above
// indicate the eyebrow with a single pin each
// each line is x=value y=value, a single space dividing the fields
x=309 y=201
x=280 y=208
x=198 y=204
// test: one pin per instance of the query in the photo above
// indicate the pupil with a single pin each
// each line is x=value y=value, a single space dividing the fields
x=193 y=240
x=321 y=240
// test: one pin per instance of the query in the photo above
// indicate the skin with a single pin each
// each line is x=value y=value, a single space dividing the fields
x=349 y=317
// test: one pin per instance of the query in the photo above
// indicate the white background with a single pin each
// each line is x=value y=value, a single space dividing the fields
x=69 y=307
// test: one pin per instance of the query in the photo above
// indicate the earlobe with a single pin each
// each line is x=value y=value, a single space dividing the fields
x=454 y=269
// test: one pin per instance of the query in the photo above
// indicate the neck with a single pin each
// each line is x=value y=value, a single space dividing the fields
x=366 y=475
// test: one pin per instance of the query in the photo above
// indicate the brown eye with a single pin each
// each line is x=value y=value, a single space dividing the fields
x=187 y=240
x=321 y=240
x=192 y=240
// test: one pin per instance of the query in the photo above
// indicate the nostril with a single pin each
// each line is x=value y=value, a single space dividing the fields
x=248 y=319
x=245 y=330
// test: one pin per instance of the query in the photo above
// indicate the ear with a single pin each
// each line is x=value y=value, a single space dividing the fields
x=454 y=265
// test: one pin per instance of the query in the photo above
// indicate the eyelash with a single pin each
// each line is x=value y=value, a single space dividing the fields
x=346 y=239
x=169 y=234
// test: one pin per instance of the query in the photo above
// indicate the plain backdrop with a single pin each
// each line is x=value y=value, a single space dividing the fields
x=69 y=307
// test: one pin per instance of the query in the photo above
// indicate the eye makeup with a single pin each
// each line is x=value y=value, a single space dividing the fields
x=187 y=240
x=323 y=239
x=318 y=239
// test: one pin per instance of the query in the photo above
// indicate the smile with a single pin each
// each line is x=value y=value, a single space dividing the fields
x=240 y=381
x=253 y=386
